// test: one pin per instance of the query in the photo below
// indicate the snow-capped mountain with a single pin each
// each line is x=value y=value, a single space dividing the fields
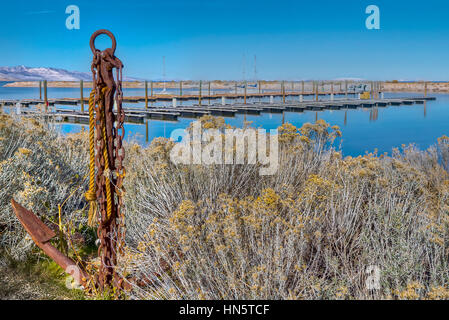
x=22 y=73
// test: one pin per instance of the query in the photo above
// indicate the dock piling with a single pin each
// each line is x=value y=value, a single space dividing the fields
x=146 y=94
x=209 y=92
x=45 y=96
x=332 y=91
x=82 y=95
x=283 y=91
x=146 y=131
x=245 y=92
x=199 y=94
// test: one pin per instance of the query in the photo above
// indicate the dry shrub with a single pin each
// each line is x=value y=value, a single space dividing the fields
x=223 y=232
x=39 y=168
x=308 y=232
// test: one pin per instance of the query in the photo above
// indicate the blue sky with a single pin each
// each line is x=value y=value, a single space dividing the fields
x=211 y=39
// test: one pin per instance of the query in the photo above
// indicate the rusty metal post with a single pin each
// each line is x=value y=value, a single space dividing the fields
x=40 y=90
x=109 y=157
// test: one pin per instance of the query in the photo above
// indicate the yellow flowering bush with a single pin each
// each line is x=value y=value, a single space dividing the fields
x=308 y=232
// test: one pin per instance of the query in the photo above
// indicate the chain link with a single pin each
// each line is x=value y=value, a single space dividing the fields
x=109 y=157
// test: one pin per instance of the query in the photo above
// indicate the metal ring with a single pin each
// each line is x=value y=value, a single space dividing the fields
x=96 y=34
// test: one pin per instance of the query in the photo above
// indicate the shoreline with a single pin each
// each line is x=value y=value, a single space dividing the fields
x=432 y=87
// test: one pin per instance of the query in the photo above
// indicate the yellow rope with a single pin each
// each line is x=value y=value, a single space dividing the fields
x=91 y=195
x=106 y=174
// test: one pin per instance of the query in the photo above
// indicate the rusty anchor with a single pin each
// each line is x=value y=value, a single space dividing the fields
x=106 y=133
x=41 y=235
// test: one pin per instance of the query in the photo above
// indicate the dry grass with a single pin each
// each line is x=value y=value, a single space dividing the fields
x=308 y=232
x=39 y=169
x=224 y=232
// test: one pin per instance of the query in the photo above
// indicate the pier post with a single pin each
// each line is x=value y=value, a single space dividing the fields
x=199 y=94
x=146 y=94
x=302 y=87
x=146 y=130
x=45 y=96
x=180 y=88
x=244 y=99
x=40 y=90
x=209 y=92
x=332 y=91
x=425 y=89
x=81 y=95
x=316 y=91
x=346 y=88
x=381 y=89
x=283 y=91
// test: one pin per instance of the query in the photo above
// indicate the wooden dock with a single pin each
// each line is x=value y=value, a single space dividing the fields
x=181 y=97
x=139 y=115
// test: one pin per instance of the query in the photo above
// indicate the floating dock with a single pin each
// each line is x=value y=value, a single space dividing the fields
x=139 y=115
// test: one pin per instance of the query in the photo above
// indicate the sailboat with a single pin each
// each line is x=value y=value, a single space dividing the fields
x=164 y=90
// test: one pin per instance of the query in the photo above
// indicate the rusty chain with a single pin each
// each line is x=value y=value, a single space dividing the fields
x=109 y=157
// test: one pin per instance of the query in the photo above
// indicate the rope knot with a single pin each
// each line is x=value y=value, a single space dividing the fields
x=91 y=195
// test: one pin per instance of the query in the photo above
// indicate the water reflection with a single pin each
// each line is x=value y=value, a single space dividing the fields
x=363 y=129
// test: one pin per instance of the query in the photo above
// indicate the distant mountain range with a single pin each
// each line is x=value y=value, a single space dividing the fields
x=22 y=73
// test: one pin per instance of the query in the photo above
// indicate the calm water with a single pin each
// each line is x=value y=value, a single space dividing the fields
x=363 y=132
